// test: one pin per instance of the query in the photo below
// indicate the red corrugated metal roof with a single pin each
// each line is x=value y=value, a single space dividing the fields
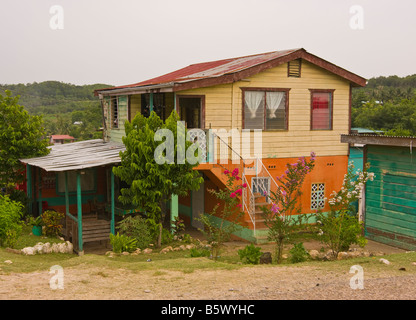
x=226 y=67
x=210 y=69
x=62 y=137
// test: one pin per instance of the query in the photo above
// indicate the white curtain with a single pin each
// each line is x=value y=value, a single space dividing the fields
x=273 y=100
x=253 y=100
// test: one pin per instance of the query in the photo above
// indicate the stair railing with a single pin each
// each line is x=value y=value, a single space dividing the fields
x=248 y=202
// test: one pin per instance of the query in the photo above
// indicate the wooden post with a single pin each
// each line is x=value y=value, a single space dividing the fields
x=29 y=186
x=174 y=208
x=151 y=102
x=40 y=190
x=79 y=206
x=112 y=202
x=66 y=193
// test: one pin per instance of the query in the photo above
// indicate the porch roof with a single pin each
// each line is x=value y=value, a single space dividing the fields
x=78 y=155
x=373 y=139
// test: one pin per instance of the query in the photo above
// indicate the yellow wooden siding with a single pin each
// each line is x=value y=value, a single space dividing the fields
x=298 y=140
x=135 y=105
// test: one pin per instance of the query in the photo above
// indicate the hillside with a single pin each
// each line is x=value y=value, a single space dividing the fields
x=62 y=104
x=386 y=103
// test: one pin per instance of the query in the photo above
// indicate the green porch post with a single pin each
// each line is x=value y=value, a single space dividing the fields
x=174 y=208
x=79 y=206
x=151 y=102
x=29 y=185
x=112 y=202
x=66 y=193
x=40 y=190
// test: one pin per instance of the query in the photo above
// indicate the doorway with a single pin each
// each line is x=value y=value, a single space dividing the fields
x=191 y=109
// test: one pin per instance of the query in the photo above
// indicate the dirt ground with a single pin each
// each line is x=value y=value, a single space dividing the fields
x=248 y=283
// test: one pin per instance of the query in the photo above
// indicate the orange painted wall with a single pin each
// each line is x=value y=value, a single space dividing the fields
x=329 y=170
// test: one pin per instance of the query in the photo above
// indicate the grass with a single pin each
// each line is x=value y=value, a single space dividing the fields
x=180 y=261
x=27 y=239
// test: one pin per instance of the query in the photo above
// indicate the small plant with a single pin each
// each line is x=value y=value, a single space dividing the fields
x=178 y=226
x=341 y=228
x=199 y=252
x=217 y=225
x=122 y=243
x=34 y=222
x=250 y=254
x=298 y=253
x=52 y=221
x=136 y=227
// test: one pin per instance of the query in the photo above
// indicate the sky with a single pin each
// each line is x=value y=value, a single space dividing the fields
x=128 y=41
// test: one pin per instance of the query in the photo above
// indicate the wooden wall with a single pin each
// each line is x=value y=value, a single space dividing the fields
x=390 y=214
x=224 y=110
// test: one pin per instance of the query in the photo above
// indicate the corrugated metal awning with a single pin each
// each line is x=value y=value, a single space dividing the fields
x=78 y=155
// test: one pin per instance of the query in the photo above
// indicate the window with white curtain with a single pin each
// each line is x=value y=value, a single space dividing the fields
x=265 y=109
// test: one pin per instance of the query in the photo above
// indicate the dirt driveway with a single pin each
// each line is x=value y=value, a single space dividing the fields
x=320 y=281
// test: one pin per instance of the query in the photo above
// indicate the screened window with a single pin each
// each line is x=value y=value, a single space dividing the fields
x=318 y=196
x=265 y=109
x=321 y=110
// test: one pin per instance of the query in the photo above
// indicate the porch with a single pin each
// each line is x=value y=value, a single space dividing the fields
x=77 y=179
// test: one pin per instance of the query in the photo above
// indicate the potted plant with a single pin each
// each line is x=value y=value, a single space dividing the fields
x=36 y=224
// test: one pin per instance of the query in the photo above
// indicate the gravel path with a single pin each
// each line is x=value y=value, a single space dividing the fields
x=258 y=283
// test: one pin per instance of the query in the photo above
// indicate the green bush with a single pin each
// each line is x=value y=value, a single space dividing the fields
x=250 y=254
x=10 y=221
x=199 y=252
x=52 y=220
x=298 y=253
x=122 y=243
x=137 y=228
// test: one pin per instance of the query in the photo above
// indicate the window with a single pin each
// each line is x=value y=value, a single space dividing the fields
x=265 y=109
x=293 y=68
x=114 y=112
x=318 y=196
x=87 y=181
x=159 y=105
x=321 y=109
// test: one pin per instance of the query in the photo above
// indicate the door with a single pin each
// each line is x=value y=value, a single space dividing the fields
x=191 y=109
x=198 y=205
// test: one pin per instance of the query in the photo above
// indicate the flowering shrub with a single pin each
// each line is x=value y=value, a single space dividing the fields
x=218 y=231
x=284 y=214
x=341 y=228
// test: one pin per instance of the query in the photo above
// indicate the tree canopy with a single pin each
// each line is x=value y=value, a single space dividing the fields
x=150 y=182
x=387 y=104
x=21 y=136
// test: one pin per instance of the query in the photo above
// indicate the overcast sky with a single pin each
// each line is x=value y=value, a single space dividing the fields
x=125 y=41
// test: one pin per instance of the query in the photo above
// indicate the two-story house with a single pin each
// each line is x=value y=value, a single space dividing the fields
x=300 y=103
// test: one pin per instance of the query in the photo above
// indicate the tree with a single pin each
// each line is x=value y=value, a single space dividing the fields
x=341 y=227
x=151 y=182
x=218 y=226
x=21 y=136
x=285 y=213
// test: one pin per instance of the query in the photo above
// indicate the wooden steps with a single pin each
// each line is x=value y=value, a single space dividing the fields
x=95 y=230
